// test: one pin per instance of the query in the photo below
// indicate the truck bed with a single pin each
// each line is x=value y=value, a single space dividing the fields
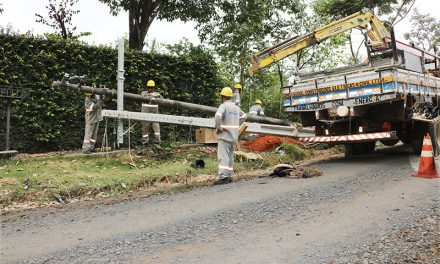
x=355 y=88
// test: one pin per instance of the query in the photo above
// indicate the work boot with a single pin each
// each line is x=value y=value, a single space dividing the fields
x=87 y=151
x=223 y=181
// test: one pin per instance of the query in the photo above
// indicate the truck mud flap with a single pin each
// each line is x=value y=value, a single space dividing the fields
x=390 y=135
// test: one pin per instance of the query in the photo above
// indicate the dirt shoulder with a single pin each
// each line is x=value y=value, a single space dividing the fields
x=55 y=179
x=276 y=220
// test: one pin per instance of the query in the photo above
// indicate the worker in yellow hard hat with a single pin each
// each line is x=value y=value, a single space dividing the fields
x=150 y=108
x=236 y=98
x=227 y=120
x=93 y=115
x=257 y=109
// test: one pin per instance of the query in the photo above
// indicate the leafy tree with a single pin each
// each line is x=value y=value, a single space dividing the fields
x=234 y=28
x=42 y=123
x=425 y=31
x=141 y=14
x=325 y=55
x=186 y=48
x=60 y=17
x=398 y=11
x=266 y=84
x=234 y=32
x=334 y=8
x=238 y=28
x=391 y=11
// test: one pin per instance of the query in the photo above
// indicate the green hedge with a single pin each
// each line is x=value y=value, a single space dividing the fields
x=51 y=119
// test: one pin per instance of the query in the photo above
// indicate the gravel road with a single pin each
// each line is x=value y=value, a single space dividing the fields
x=363 y=210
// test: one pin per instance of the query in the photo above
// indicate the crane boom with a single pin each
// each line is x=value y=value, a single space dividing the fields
x=377 y=33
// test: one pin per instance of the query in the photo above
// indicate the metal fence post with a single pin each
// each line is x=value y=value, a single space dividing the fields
x=8 y=122
x=120 y=95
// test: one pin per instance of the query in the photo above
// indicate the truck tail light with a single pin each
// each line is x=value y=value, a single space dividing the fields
x=318 y=130
x=386 y=126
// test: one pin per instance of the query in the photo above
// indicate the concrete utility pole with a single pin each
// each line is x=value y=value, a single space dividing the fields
x=167 y=103
x=120 y=96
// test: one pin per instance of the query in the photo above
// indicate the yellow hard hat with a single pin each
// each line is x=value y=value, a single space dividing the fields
x=151 y=83
x=258 y=101
x=226 y=92
x=87 y=94
x=237 y=86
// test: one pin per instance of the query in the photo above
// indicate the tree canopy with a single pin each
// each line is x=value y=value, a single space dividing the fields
x=141 y=14
x=60 y=17
x=425 y=31
x=259 y=16
x=391 y=12
x=397 y=9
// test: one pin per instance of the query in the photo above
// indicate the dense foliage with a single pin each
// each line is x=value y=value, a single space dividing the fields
x=390 y=12
x=425 y=31
x=53 y=119
x=396 y=9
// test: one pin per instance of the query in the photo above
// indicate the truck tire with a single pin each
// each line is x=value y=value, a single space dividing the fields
x=365 y=147
x=389 y=143
x=349 y=150
x=417 y=133
x=434 y=132
x=359 y=148
x=416 y=145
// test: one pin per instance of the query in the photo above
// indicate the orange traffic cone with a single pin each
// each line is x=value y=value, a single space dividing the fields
x=427 y=165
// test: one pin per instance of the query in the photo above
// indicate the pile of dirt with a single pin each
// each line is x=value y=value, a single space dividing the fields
x=295 y=171
x=267 y=143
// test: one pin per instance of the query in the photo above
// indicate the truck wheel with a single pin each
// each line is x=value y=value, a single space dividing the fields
x=416 y=145
x=364 y=147
x=434 y=132
x=359 y=148
x=417 y=132
x=389 y=143
x=349 y=150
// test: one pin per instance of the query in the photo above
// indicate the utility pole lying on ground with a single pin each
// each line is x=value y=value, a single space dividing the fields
x=165 y=102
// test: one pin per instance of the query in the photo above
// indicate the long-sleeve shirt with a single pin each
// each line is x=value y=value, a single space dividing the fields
x=152 y=107
x=236 y=99
x=256 y=110
x=227 y=118
x=93 y=107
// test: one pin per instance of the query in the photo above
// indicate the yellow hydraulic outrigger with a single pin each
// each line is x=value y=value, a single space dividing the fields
x=377 y=33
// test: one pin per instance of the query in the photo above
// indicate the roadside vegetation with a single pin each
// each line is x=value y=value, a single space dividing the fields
x=67 y=177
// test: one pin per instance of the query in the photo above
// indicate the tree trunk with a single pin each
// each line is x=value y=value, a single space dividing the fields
x=141 y=15
x=280 y=74
x=355 y=59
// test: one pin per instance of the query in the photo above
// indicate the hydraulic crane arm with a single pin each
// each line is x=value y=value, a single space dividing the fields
x=377 y=33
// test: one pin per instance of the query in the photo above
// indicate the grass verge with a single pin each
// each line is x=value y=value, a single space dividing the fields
x=63 y=178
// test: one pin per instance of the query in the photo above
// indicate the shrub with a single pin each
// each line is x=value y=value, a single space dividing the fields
x=51 y=119
x=294 y=151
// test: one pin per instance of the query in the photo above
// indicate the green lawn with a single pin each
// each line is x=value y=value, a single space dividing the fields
x=71 y=176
